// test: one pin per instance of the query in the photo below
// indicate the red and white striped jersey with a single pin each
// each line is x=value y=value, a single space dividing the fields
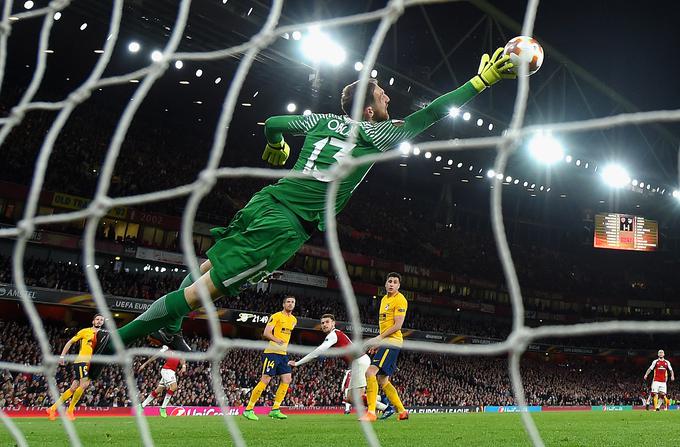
x=661 y=367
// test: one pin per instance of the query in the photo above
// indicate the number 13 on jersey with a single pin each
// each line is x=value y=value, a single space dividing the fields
x=326 y=152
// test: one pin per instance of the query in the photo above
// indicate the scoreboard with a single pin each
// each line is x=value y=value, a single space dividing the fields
x=626 y=232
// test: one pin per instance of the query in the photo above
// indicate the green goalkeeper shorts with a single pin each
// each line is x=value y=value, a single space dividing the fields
x=260 y=239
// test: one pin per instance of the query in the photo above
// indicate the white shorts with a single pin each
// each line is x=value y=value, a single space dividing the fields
x=356 y=377
x=167 y=377
x=659 y=387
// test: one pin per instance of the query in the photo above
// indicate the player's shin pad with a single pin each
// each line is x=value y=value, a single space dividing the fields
x=391 y=393
x=257 y=392
x=75 y=399
x=371 y=392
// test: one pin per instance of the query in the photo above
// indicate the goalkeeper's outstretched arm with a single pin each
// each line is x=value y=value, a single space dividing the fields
x=491 y=70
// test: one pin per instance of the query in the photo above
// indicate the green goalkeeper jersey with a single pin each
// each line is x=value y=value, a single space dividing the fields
x=327 y=142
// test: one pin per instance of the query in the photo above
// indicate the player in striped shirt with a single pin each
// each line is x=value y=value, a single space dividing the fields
x=280 y=218
x=168 y=382
x=355 y=374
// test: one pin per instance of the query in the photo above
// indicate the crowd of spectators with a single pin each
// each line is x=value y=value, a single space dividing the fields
x=422 y=379
x=152 y=285
x=46 y=273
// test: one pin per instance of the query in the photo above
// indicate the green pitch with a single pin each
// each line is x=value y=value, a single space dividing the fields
x=481 y=429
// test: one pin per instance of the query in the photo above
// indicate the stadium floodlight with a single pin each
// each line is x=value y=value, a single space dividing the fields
x=416 y=150
x=156 y=55
x=450 y=162
x=297 y=35
x=454 y=112
x=405 y=147
x=179 y=64
x=318 y=47
x=29 y=4
x=307 y=112
x=634 y=182
x=568 y=158
x=291 y=107
x=480 y=122
x=358 y=66
x=134 y=47
x=676 y=194
x=438 y=158
x=546 y=149
x=57 y=15
x=642 y=184
x=218 y=80
x=467 y=116
x=374 y=73
x=525 y=184
x=615 y=176
x=491 y=173
x=499 y=176
x=199 y=73
x=508 y=179
x=391 y=81
x=428 y=154
x=460 y=165
x=83 y=26
x=490 y=126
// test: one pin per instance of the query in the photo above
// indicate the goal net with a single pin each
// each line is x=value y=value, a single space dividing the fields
x=504 y=145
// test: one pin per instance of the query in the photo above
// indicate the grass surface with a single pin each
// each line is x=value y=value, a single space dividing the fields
x=477 y=429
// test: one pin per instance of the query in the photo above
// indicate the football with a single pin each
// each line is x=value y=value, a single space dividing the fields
x=524 y=50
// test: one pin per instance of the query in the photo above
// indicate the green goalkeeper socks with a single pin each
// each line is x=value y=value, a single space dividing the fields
x=176 y=326
x=165 y=311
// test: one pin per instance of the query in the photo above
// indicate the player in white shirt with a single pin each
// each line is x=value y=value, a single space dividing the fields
x=355 y=375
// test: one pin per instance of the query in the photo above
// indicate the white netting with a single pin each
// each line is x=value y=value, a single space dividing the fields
x=514 y=345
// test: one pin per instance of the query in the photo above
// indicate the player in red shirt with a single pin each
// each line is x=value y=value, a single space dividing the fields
x=661 y=367
x=355 y=375
x=168 y=380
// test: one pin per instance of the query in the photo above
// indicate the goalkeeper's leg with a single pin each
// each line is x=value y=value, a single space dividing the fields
x=165 y=311
x=176 y=326
x=261 y=238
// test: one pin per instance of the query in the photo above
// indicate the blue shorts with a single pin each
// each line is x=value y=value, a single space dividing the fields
x=386 y=359
x=80 y=370
x=275 y=365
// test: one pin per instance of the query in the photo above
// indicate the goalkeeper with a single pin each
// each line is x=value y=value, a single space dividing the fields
x=280 y=217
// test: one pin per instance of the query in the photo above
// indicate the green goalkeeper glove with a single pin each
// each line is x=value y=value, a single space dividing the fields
x=492 y=69
x=276 y=154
